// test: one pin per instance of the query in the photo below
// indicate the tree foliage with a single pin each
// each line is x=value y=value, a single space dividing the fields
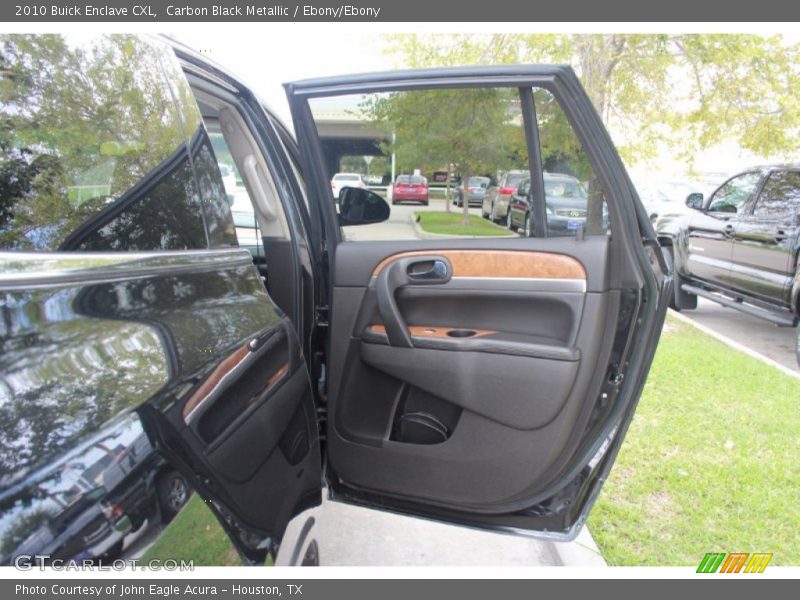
x=473 y=128
x=684 y=92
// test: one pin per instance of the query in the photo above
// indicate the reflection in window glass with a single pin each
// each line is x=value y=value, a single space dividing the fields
x=780 y=196
x=732 y=196
x=93 y=151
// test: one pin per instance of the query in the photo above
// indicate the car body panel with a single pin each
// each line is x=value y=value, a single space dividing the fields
x=497 y=198
x=139 y=310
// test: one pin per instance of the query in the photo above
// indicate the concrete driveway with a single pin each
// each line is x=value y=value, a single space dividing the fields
x=355 y=536
x=776 y=343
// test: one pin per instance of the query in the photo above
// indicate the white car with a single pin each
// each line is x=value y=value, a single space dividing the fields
x=666 y=197
x=228 y=178
x=343 y=180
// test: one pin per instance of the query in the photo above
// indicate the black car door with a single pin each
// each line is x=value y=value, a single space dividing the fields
x=709 y=243
x=125 y=296
x=765 y=239
x=488 y=380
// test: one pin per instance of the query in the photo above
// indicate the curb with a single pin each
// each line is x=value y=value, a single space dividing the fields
x=735 y=345
x=580 y=552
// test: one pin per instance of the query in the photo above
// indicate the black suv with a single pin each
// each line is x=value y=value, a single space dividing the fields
x=739 y=247
x=486 y=382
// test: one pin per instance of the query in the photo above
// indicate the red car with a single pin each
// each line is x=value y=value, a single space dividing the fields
x=410 y=188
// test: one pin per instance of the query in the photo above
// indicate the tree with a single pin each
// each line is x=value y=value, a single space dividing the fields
x=683 y=92
x=471 y=128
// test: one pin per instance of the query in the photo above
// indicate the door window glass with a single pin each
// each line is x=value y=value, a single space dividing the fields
x=574 y=197
x=96 y=155
x=248 y=233
x=780 y=196
x=732 y=196
x=422 y=150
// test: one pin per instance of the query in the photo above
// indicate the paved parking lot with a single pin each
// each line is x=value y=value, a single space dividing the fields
x=399 y=225
x=777 y=343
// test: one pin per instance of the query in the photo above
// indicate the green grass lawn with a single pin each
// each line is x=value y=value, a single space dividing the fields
x=710 y=463
x=194 y=534
x=450 y=223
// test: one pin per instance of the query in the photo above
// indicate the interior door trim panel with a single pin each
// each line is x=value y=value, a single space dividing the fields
x=492 y=342
x=508 y=396
x=527 y=264
x=429 y=331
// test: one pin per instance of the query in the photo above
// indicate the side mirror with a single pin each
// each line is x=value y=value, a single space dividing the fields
x=695 y=201
x=358 y=206
x=230 y=199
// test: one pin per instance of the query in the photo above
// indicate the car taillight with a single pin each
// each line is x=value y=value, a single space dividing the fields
x=507 y=191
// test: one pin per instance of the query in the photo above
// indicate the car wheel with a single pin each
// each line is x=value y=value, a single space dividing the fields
x=527 y=226
x=173 y=492
x=680 y=299
x=424 y=203
x=510 y=222
x=112 y=553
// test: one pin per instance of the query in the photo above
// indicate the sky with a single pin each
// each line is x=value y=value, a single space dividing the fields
x=266 y=57
x=265 y=61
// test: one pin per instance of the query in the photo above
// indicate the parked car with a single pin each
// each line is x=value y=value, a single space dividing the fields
x=228 y=178
x=84 y=508
x=566 y=205
x=125 y=292
x=475 y=191
x=739 y=247
x=343 y=180
x=495 y=201
x=661 y=197
x=410 y=188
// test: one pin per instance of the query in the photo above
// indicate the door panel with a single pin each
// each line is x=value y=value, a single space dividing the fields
x=710 y=235
x=764 y=241
x=502 y=395
x=762 y=256
x=710 y=248
x=482 y=381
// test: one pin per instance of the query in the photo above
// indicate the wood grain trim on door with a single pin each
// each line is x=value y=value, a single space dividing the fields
x=522 y=264
x=282 y=370
x=225 y=367
x=436 y=332
x=222 y=369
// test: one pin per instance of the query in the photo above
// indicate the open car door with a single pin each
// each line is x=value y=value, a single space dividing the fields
x=484 y=380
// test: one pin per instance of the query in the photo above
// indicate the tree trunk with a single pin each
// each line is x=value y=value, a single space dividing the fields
x=465 y=202
x=447 y=185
